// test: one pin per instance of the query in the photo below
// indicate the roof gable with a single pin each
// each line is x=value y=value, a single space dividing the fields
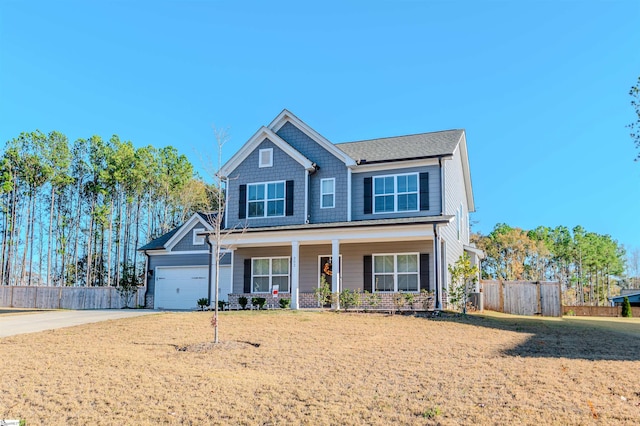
x=251 y=145
x=171 y=238
x=288 y=117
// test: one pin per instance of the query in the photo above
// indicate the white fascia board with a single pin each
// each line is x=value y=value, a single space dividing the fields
x=464 y=155
x=325 y=236
x=287 y=116
x=252 y=144
x=394 y=165
x=184 y=229
x=177 y=253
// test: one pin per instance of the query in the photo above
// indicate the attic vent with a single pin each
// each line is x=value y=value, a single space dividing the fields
x=266 y=157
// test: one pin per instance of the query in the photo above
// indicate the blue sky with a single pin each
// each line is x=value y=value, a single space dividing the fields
x=541 y=87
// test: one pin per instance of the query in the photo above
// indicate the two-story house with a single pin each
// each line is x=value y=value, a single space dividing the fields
x=394 y=211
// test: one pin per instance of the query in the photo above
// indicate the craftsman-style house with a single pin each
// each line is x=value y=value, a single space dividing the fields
x=394 y=211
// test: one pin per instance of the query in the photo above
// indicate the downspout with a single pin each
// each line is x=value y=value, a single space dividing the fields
x=442 y=192
x=436 y=270
x=348 y=194
x=208 y=240
x=307 y=182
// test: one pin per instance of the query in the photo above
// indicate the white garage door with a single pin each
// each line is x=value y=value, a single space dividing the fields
x=181 y=287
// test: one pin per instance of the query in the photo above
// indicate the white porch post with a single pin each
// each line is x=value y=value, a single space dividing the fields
x=295 y=274
x=335 y=269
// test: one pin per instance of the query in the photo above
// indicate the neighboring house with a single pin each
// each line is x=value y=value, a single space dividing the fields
x=633 y=295
x=394 y=210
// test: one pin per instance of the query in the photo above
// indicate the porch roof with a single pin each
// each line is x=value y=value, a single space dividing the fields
x=398 y=229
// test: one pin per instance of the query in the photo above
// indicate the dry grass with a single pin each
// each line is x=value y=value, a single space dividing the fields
x=322 y=368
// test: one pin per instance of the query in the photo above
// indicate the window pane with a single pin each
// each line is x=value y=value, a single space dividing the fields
x=275 y=190
x=275 y=208
x=256 y=192
x=403 y=203
x=389 y=185
x=407 y=263
x=412 y=183
x=412 y=202
x=383 y=264
x=283 y=282
x=260 y=266
x=383 y=282
x=280 y=266
x=407 y=282
x=402 y=183
x=379 y=186
x=256 y=209
x=327 y=200
x=260 y=285
x=327 y=186
x=388 y=203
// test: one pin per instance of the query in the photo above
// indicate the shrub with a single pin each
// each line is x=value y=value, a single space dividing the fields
x=202 y=302
x=428 y=301
x=409 y=298
x=626 y=308
x=323 y=293
x=284 y=303
x=349 y=298
x=398 y=301
x=259 y=302
x=371 y=299
x=243 y=301
x=222 y=304
x=431 y=413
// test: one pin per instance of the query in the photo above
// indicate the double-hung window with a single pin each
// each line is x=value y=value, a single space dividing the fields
x=266 y=199
x=268 y=272
x=396 y=193
x=327 y=193
x=395 y=272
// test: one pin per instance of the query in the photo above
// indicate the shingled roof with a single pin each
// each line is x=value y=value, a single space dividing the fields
x=423 y=145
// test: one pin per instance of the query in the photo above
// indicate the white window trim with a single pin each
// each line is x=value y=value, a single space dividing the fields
x=333 y=194
x=261 y=163
x=395 y=193
x=266 y=199
x=395 y=272
x=458 y=221
x=197 y=239
x=271 y=275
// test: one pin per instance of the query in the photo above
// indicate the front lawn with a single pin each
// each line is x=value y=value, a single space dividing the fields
x=313 y=367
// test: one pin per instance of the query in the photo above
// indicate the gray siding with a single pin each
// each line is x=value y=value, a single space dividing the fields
x=352 y=261
x=284 y=168
x=186 y=243
x=173 y=260
x=329 y=167
x=357 y=189
x=454 y=196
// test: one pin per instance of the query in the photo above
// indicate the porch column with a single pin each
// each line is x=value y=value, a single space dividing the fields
x=335 y=269
x=295 y=274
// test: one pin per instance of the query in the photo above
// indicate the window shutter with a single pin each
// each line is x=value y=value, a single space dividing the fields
x=289 y=195
x=242 y=202
x=424 y=191
x=424 y=272
x=368 y=277
x=368 y=196
x=247 y=275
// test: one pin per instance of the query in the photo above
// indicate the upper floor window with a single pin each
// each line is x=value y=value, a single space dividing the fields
x=397 y=193
x=266 y=199
x=327 y=193
x=266 y=157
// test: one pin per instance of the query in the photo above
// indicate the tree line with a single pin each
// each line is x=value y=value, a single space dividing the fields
x=75 y=213
x=587 y=264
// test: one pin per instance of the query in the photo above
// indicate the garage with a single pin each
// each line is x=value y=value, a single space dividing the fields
x=181 y=287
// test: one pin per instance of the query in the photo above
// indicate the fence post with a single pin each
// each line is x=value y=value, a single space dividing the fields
x=539 y=294
x=501 y=294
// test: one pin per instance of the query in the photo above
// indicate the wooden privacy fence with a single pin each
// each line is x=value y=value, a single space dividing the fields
x=523 y=297
x=66 y=297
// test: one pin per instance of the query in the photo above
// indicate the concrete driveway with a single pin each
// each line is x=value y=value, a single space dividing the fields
x=33 y=322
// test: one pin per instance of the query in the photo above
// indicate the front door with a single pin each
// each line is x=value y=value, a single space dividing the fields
x=326 y=276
